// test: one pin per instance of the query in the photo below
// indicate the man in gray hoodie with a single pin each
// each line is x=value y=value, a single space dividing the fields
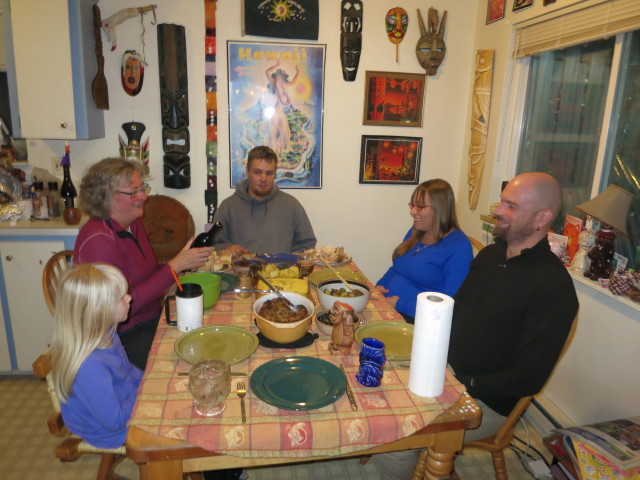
x=259 y=217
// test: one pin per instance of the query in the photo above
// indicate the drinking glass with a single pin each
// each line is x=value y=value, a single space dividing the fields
x=209 y=384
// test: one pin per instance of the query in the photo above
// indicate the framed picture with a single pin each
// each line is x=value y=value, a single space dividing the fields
x=495 y=10
x=276 y=99
x=393 y=99
x=520 y=4
x=390 y=159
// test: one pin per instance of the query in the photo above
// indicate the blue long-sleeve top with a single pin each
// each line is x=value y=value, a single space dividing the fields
x=102 y=397
x=434 y=268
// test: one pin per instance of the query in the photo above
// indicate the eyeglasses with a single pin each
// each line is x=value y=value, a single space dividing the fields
x=417 y=207
x=145 y=188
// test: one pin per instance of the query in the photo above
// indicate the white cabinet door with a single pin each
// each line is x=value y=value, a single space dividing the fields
x=31 y=321
x=54 y=69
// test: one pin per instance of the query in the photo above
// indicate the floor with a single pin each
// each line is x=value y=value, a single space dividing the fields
x=26 y=448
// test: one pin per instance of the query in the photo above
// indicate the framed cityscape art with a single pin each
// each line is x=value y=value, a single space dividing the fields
x=393 y=99
x=276 y=99
x=390 y=159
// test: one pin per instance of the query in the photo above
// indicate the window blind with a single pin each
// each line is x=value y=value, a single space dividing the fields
x=592 y=23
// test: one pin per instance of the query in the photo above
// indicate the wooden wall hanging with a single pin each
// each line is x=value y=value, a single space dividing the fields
x=211 y=193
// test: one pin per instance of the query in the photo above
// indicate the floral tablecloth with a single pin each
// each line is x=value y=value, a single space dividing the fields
x=387 y=413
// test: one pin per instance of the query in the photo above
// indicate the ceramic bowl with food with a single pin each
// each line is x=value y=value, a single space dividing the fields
x=277 y=325
x=323 y=322
x=331 y=290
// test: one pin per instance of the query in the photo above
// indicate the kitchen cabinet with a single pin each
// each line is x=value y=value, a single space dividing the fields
x=27 y=324
x=54 y=59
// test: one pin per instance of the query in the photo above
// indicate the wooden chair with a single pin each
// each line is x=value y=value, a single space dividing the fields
x=56 y=265
x=73 y=446
x=476 y=244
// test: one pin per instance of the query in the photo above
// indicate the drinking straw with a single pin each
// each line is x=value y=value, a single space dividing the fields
x=173 y=272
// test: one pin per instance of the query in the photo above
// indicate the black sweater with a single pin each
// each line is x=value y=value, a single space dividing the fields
x=510 y=321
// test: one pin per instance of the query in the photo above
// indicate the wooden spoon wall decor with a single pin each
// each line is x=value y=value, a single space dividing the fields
x=99 y=87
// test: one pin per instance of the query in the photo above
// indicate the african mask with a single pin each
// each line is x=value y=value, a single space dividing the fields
x=134 y=150
x=132 y=72
x=350 y=38
x=396 y=23
x=430 y=48
x=174 y=105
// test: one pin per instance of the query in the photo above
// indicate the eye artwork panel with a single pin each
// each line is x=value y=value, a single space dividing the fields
x=396 y=22
x=350 y=38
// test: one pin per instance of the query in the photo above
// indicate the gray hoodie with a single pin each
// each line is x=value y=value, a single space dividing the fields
x=277 y=223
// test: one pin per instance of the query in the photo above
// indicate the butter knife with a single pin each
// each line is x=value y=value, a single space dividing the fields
x=352 y=400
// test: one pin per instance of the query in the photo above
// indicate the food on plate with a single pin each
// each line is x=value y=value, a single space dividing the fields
x=278 y=310
x=217 y=261
x=342 y=292
x=297 y=285
x=272 y=271
x=329 y=254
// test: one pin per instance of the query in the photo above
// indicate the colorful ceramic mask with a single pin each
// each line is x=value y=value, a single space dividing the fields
x=134 y=149
x=132 y=72
x=396 y=22
x=430 y=48
x=350 y=38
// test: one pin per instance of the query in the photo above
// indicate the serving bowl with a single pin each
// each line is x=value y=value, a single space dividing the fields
x=323 y=323
x=357 y=303
x=210 y=283
x=284 y=332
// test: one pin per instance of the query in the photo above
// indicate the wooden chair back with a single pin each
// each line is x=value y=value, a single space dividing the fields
x=73 y=446
x=168 y=224
x=476 y=244
x=54 y=268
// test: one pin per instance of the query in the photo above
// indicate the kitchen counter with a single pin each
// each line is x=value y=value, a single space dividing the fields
x=40 y=228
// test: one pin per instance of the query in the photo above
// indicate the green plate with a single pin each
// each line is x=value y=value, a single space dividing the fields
x=298 y=383
x=396 y=336
x=229 y=282
x=231 y=344
x=321 y=275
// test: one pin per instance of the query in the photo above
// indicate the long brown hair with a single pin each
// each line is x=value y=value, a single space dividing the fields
x=442 y=202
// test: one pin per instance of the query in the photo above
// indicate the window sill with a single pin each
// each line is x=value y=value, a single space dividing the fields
x=604 y=291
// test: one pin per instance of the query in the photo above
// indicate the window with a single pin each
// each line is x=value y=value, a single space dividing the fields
x=581 y=123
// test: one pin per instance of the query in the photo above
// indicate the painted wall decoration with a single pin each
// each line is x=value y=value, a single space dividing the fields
x=520 y=4
x=393 y=99
x=174 y=105
x=390 y=159
x=479 y=123
x=350 y=38
x=431 y=48
x=211 y=85
x=276 y=99
x=281 y=18
x=134 y=149
x=132 y=72
x=495 y=10
x=396 y=22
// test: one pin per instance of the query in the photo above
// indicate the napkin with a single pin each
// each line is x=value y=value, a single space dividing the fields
x=430 y=344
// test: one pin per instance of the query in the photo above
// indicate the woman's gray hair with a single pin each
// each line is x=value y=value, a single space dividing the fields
x=102 y=180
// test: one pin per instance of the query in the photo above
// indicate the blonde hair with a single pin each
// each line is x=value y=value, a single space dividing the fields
x=86 y=316
x=443 y=203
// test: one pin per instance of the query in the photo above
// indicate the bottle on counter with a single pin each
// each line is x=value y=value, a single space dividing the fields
x=54 y=200
x=206 y=239
x=67 y=190
x=40 y=204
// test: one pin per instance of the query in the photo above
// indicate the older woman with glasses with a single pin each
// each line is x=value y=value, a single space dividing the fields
x=112 y=193
x=434 y=255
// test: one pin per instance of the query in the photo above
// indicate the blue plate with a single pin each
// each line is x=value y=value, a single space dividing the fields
x=298 y=383
x=280 y=259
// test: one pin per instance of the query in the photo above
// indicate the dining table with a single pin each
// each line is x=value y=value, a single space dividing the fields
x=168 y=439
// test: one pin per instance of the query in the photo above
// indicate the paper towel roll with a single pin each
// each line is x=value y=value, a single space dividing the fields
x=430 y=344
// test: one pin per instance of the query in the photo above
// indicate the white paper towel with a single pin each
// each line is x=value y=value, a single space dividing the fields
x=430 y=344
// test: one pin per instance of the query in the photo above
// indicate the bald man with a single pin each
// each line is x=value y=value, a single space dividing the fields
x=514 y=311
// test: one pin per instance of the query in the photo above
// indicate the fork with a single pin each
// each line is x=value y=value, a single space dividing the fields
x=241 y=391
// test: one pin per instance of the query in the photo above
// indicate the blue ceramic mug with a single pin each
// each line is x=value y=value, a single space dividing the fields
x=372 y=360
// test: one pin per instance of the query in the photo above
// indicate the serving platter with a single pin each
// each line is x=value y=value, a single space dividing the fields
x=283 y=259
x=320 y=276
x=396 y=336
x=344 y=262
x=222 y=342
x=298 y=383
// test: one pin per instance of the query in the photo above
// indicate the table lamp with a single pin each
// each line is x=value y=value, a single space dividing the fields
x=610 y=208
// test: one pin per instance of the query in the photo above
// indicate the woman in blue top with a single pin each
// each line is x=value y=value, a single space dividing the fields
x=434 y=255
x=94 y=380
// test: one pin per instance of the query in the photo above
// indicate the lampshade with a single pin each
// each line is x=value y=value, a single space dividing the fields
x=610 y=207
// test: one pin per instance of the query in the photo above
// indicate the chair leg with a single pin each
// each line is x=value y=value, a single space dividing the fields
x=195 y=476
x=421 y=465
x=106 y=464
x=364 y=460
x=499 y=465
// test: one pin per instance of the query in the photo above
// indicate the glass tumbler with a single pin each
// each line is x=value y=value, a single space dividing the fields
x=209 y=384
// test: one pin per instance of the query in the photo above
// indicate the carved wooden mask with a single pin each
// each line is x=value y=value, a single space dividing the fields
x=430 y=48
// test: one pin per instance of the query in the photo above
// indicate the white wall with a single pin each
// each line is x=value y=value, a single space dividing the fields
x=369 y=220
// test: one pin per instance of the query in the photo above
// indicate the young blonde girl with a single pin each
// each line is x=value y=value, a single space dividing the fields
x=94 y=380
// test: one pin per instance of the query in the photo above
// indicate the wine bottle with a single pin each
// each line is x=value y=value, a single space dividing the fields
x=67 y=191
x=206 y=239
